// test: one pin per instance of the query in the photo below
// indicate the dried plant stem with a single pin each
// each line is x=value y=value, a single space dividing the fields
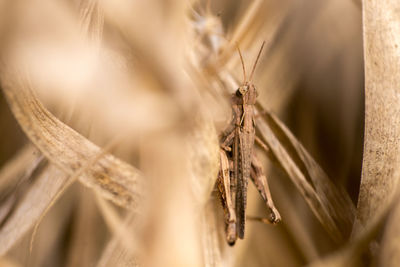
x=120 y=250
x=381 y=162
x=28 y=213
x=67 y=183
x=17 y=166
x=114 y=179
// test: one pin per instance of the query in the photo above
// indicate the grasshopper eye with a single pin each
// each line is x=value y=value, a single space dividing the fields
x=242 y=90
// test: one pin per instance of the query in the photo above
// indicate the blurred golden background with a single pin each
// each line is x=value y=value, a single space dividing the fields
x=149 y=82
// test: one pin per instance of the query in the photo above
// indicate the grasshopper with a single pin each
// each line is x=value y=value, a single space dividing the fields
x=238 y=161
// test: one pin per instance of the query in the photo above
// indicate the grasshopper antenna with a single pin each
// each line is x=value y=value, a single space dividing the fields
x=255 y=63
x=241 y=60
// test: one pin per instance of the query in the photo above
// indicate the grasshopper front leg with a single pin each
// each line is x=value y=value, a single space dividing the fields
x=260 y=181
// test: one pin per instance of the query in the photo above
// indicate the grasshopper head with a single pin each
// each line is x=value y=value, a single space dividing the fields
x=242 y=91
x=248 y=92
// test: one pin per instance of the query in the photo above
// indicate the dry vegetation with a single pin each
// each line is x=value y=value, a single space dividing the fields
x=110 y=115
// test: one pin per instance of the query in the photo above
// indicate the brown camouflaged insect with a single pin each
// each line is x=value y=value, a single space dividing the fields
x=238 y=161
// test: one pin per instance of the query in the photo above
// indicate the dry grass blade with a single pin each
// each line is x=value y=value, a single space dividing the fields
x=16 y=167
x=212 y=238
x=83 y=232
x=389 y=249
x=28 y=212
x=15 y=179
x=92 y=19
x=331 y=204
x=10 y=197
x=112 y=178
x=116 y=255
x=60 y=182
x=352 y=254
x=381 y=159
x=120 y=250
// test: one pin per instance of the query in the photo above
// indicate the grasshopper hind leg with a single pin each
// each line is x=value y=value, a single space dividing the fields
x=260 y=181
x=226 y=189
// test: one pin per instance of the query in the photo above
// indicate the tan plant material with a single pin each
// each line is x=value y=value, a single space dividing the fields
x=15 y=177
x=27 y=213
x=381 y=159
x=82 y=231
x=121 y=249
x=381 y=162
x=359 y=247
x=154 y=77
x=18 y=166
x=330 y=204
x=378 y=209
x=116 y=180
x=389 y=249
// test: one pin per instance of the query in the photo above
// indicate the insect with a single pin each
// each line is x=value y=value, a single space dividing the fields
x=238 y=161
